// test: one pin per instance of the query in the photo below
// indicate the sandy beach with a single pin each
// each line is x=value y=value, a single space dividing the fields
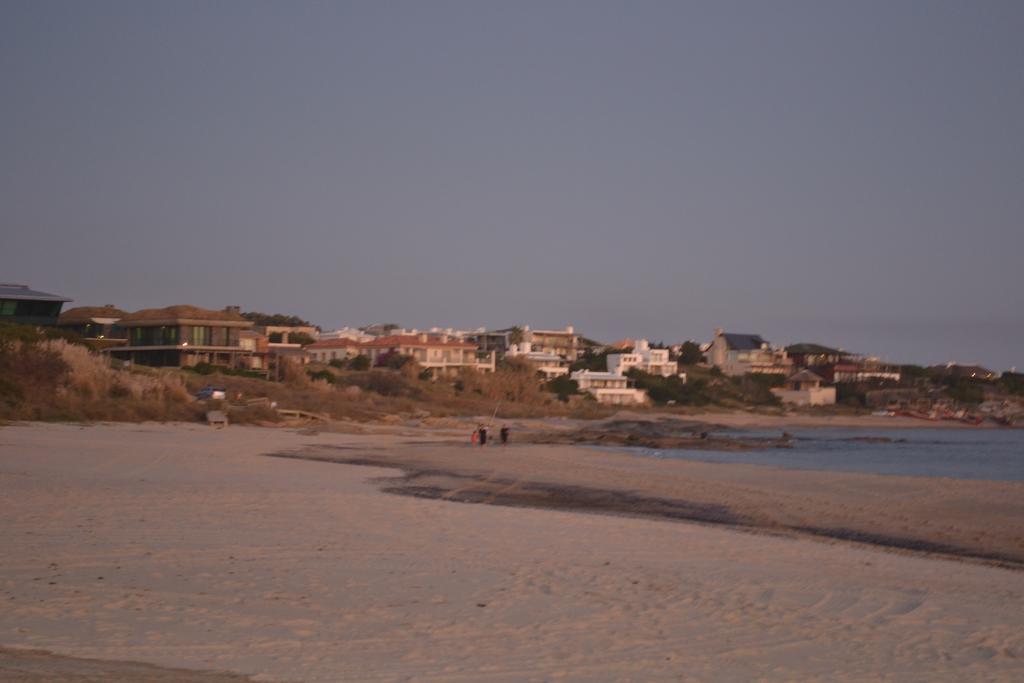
x=185 y=547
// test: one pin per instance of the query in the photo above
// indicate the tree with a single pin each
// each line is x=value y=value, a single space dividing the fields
x=595 y=362
x=300 y=338
x=275 y=319
x=671 y=389
x=393 y=360
x=690 y=354
x=359 y=363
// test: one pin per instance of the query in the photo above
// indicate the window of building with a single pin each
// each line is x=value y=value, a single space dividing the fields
x=201 y=336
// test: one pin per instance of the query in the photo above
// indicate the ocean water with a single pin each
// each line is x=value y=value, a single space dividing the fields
x=996 y=454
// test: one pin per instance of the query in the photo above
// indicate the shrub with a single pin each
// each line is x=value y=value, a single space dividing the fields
x=1012 y=383
x=966 y=390
x=58 y=380
x=392 y=360
x=359 y=363
x=322 y=375
x=563 y=387
x=202 y=369
x=672 y=389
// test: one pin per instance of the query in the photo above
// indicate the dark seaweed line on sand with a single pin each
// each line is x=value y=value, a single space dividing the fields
x=524 y=493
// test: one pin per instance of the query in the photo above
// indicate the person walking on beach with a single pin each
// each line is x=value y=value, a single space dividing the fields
x=504 y=435
x=483 y=435
x=474 y=436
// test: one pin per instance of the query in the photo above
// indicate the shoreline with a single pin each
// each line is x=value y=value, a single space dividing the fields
x=686 y=497
x=30 y=665
x=728 y=419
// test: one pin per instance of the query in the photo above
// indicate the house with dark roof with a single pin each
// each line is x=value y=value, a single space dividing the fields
x=97 y=325
x=739 y=354
x=183 y=336
x=19 y=304
x=809 y=355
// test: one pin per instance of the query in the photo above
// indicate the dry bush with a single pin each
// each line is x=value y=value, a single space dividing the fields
x=57 y=380
x=514 y=381
x=294 y=374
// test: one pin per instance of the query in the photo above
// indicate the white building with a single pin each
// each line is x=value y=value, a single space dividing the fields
x=548 y=364
x=644 y=358
x=564 y=343
x=350 y=333
x=609 y=387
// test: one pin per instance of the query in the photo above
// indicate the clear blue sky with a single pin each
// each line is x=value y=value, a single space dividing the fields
x=850 y=173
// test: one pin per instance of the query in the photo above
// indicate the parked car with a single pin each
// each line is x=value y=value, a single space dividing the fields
x=212 y=392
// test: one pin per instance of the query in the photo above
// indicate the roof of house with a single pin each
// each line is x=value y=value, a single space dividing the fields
x=415 y=340
x=184 y=314
x=962 y=370
x=622 y=345
x=808 y=347
x=743 y=342
x=10 y=290
x=84 y=314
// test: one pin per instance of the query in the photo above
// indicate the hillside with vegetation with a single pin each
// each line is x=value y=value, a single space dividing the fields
x=50 y=375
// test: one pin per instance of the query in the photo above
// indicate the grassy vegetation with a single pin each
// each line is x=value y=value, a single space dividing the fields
x=47 y=377
x=708 y=387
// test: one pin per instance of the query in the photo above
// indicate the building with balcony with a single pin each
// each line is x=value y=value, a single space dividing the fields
x=564 y=343
x=546 y=364
x=19 y=304
x=326 y=350
x=350 y=333
x=609 y=387
x=183 y=336
x=440 y=354
x=643 y=358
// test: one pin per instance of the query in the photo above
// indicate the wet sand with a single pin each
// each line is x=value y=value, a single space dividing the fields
x=40 y=666
x=185 y=547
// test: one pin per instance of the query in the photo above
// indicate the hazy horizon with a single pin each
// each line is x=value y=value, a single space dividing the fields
x=843 y=173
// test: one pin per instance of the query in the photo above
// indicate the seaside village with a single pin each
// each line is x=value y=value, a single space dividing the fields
x=627 y=372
